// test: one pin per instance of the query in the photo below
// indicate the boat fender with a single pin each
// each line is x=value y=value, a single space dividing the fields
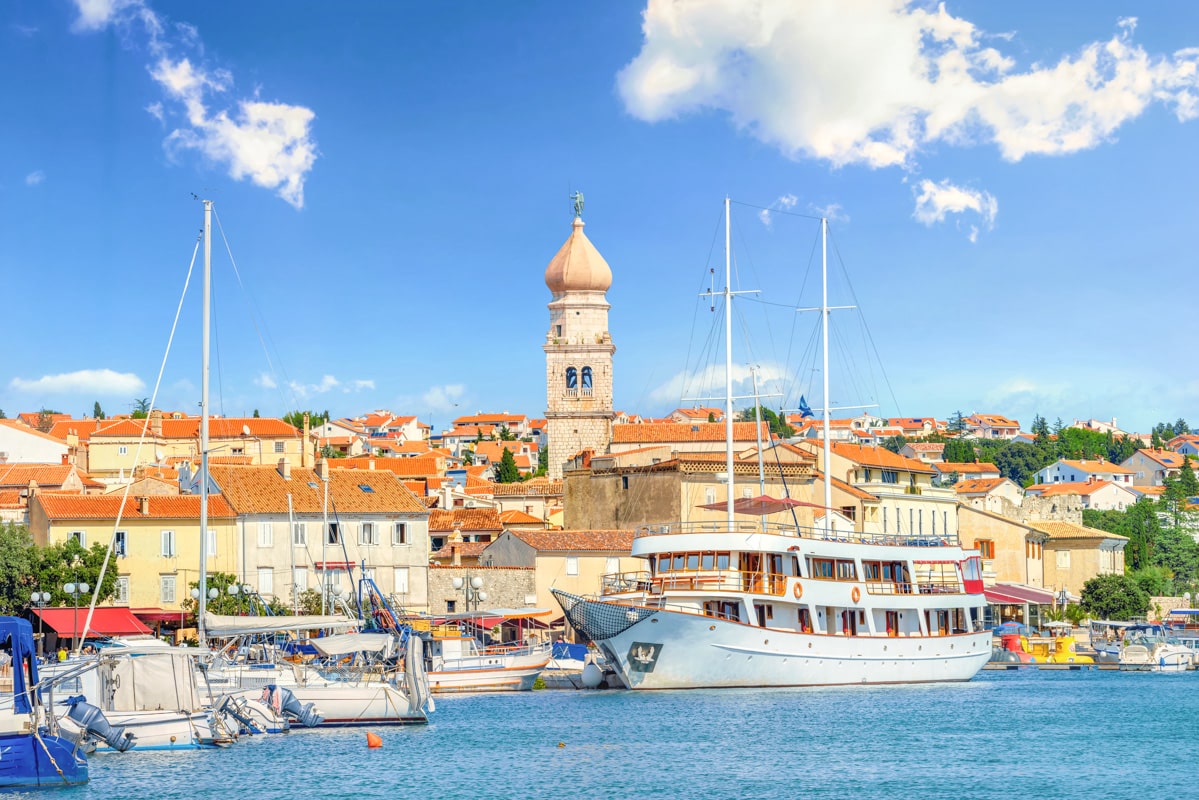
x=856 y=594
x=373 y=740
x=797 y=590
x=92 y=720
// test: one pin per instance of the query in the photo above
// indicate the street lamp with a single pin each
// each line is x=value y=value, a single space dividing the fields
x=472 y=591
x=40 y=599
x=74 y=590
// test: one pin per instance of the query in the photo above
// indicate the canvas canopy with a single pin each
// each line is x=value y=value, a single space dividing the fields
x=221 y=625
x=343 y=643
x=760 y=506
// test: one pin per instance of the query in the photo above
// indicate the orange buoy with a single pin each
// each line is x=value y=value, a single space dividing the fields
x=856 y=594
x=373 y=740
x=797 y=590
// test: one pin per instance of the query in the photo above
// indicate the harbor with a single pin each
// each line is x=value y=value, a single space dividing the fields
x=1002 y=734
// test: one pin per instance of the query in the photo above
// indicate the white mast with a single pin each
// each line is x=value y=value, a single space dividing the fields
x=824 y=310
x=202 y=600
x=728 y=357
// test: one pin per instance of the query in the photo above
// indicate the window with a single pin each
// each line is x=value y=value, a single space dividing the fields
x=624 y=481
x=123 y=589
x=933 y=517
x=586 y=377
x=889 y=476
x=79 y=536
x=572 y=565
x=120 y=543
x=572 y=378
x=986 y=548
x=845 y=571
x=279 y=446
x=122 y=450
x=920 y=520
x=299 y=579
x=366 y=534
x=400 y=578
x=911 y=522
x=211 y=542
x=945 y=522
x=299 y=534
x=399 y=533
x=850 y=512
x=821 y=568
x=884 y=519
x=366 y=489
x=710 y=495
x=706 y=561
x=333 y=535
x=612 y=565
x=557 y=330
x=1063 y=559
x=266 y=580
x=166 y=587
x=722 y=561
x=266 y=534
x=168 y=547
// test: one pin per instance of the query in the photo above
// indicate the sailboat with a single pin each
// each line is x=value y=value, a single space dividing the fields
x=760 y=605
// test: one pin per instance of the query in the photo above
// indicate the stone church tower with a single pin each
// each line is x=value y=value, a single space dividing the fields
x=578 y=351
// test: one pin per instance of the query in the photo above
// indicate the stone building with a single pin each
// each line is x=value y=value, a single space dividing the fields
x=578 y=351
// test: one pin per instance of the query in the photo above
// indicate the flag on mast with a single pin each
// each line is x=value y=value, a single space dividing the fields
x=805 y=410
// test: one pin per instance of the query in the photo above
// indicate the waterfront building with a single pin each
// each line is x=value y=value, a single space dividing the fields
x=1075 y=553
x=578 y=350
x=156 y=549
x=374 y=524
x=1012 y=551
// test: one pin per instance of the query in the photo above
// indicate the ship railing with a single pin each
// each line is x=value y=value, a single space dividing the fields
x=949 y=586
x=801 y=532
x=700 y=581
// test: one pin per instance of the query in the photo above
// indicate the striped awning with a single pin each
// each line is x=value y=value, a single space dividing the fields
x=1002 y=594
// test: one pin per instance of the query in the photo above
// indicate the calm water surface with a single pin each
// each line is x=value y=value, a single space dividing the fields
x=1093 y=735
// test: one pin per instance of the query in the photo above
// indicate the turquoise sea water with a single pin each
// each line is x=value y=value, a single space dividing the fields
x=1094 y=735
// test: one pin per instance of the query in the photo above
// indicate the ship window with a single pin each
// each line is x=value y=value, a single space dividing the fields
x=722 y=561
x=805 y=620
x=822 y=568
x=846 y=571
x=892 y=623
x=679 y=559
x=693 y=561
x=707 y=561
x=872 y=570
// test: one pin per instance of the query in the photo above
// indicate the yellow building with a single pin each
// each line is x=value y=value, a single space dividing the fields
x=1075 y=553
x=112 y=451
x=1012 y=552
x=573 y=561
x=156 y=546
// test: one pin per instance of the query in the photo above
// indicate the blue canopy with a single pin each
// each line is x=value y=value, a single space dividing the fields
x=16 y=636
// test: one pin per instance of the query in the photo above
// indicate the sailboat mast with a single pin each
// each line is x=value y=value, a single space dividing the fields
x=728 y=357
x=824 y=319
x=202 y=600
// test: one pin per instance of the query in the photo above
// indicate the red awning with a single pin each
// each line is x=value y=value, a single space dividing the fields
x=760 y=506
x=1015 y=594
x=158 y=615
x=69 y=622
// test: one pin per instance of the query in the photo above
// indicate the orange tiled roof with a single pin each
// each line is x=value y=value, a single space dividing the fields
x=648 y=432
x=593 y=541
x=414 y=467
x=489 y=419
x=105 y=507
x=1167 y=458
x=1097 y=467
x=20 y=474
x=10 y=498
x=189 y=428
x=869 y=456
x=31 y=431
x=1068 y=530
x=33 y=418
x=1077 y=487
x=263 y=490
x=537 y=487
x=994 y=420
x=465 y=519
x=978 y=485
x=465 y=549
x=966 y=467
x=517 y=517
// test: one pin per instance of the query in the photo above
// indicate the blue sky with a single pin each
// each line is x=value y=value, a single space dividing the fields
x=1011 y=192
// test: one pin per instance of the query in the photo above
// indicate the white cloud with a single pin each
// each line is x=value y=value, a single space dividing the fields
x=784 y=203
x=359 y=385
x=35 y=177
x=700 y=386
x=104 y=382
x=935 y=200
x=269 y=143
x=832 y=212
x=326 y=384
x=443 y=398
x=266 y=381
x=872 y=83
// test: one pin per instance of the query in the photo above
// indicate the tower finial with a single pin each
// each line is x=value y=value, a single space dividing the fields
x=577 y=198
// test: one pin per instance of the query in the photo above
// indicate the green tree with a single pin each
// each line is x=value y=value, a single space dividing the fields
x=2 y=414
x=959 y=451
x=508 y=471
x=1154 y=581
x=256 y=414
x=956 y=424
x=329 y=451
x=97 y=412
x=468 y=457
x=226 y=603
x=543 y=462
x=45 y=419
x=1139 y=522
x=1178 y=552
x=1040 y=429
x=711 y=417
x=17 y=557
x=1020 y=461
x=310 y=601
x=141 y=408
x=778 y=426
x=69 y=562
x=894 y=443
x=1114 y=596
x=506 y=435
x=296 y=418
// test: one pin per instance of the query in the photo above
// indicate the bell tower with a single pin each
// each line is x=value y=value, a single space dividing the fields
x=578 y=349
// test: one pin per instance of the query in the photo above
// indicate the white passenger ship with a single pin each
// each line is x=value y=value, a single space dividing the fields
x=750 y=604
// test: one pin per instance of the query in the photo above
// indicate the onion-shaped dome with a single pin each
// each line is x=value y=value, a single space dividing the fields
x=578 y=266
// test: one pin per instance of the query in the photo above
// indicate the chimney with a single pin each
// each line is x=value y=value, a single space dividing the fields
x=455 y=554
x=322 y=468
x=156 y=422
x=370 y=464
x=285 y=469
x=32 y=490
x=143 y=506
x=66 y=460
